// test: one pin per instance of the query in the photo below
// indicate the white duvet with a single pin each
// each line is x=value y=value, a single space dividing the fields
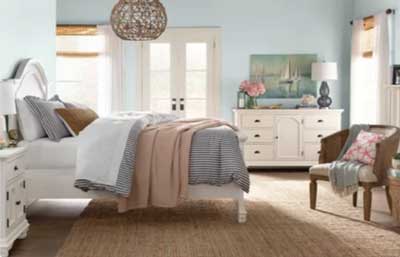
x=102 y=145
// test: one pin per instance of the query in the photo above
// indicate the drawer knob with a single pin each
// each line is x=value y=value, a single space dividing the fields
x=18 y=203
x=257 y=136
x=257 y=121
x=320 y=136
x=257 y=152
x=16 y=168
x=319 y=152
x=320 y=121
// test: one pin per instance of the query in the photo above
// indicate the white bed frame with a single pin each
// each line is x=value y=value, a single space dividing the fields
x=58 y=184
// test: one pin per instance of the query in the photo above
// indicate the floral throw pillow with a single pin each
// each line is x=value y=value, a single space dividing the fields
x=363 y=148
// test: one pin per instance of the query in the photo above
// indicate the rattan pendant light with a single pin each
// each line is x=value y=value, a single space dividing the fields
x=139 y=20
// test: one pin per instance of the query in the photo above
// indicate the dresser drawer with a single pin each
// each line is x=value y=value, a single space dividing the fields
x=315 y=136
x=258 y=152
x=321 y=122
x=312 y=152
x=14 y=168
x=260 y=135
x=257 y=121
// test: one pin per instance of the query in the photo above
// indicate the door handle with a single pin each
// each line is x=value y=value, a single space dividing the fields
x=182 y=104
x=174 y=104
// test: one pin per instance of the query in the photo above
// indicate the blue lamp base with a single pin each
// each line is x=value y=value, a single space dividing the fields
x=324 y=101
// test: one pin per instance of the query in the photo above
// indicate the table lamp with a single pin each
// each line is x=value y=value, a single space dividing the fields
x=324 y=71
x=7 y=107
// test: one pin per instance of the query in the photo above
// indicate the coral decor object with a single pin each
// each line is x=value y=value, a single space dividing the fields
x=253 y=89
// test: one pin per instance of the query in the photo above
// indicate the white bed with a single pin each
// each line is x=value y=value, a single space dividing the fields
x=46 y=154
x=50 y=167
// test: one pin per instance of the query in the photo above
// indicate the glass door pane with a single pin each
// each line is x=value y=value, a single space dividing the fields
x=160 y=77
x=196 y=74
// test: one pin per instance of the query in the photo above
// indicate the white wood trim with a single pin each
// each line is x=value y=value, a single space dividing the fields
x=177 y=35
x=139 y=77
x=58 y=184
x=31 y=79
x=298 y=130
x=392 y=105
x=13 y=222
x=263 y=152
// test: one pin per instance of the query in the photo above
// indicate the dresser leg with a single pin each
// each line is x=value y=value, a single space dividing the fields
x=24 y=234
x=4 y=252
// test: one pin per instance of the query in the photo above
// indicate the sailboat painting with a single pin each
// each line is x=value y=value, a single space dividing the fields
x=284 y=76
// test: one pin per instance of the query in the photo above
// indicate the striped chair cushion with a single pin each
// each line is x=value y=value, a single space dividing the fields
x=45 y=111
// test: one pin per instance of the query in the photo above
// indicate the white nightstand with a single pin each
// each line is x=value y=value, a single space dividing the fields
x=13 y=222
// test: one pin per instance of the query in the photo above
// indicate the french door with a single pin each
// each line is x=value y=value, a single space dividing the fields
x=180 y=73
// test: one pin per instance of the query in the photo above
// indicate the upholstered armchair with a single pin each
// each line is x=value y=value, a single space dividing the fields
x=369 y=177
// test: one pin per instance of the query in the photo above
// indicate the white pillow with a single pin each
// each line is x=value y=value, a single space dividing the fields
x=30 y=127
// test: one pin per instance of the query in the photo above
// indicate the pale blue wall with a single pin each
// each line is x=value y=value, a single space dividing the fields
x=27 y=29
x=364 y=8
x=249 y=27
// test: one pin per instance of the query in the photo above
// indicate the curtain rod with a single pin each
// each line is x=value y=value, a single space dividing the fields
x=388 y=12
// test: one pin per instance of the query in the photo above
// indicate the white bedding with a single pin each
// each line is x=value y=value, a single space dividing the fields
x=46 y=154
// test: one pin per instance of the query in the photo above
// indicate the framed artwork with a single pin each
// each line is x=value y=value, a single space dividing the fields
x=284 y=76
x=396 y=75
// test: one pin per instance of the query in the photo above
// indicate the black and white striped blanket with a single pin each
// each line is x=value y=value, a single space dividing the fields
x=215 y=159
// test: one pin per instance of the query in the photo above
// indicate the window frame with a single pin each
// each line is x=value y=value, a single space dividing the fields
x=195 y=34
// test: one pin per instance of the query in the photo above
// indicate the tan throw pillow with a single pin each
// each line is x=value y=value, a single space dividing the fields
x=76 y=119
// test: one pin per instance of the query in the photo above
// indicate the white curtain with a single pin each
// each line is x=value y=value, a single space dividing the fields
x=369 y=76
x=111 y=72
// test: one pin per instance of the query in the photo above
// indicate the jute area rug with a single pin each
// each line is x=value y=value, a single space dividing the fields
x=284 y=226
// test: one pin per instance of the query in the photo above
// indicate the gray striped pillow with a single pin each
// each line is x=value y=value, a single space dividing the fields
x=45 y=111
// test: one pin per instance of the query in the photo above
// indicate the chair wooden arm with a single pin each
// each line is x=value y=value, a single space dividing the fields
x=332 y=145
x=385 y=151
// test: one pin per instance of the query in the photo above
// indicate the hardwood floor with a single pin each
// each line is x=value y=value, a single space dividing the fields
x=51 y=220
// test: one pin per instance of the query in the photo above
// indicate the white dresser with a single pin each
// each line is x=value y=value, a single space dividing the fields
x=13 y=223
x=285 y=138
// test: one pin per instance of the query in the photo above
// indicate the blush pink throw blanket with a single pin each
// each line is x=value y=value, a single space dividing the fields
x=162 y=164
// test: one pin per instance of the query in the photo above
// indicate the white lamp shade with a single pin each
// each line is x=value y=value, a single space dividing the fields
x=7 y=98
x=324 y=71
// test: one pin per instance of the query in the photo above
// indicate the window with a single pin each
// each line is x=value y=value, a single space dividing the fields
x=180 y=72
x=368 y=37
x=80 y=71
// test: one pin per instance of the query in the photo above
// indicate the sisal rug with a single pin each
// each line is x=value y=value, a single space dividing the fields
x=283 y=226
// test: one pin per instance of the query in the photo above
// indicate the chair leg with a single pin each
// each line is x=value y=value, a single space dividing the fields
x=389 y=198
x=355 y=199
x=313 y=193
x=367 y=202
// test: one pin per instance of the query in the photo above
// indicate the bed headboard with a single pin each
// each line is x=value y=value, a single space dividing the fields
x=31 y=79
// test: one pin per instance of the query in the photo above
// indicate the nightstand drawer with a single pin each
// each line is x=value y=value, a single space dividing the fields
x=14 y=168
x=15 y=202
